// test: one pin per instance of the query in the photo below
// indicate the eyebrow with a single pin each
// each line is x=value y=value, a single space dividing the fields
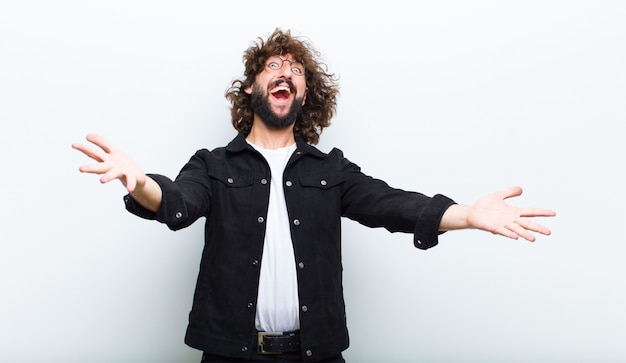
x=280 y=56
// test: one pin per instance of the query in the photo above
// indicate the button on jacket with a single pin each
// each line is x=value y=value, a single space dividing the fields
x=229 y=187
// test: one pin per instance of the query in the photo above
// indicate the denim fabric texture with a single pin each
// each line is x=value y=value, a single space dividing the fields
x=229 y=188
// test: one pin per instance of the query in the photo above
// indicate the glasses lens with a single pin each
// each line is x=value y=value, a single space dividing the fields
x=297 y=68
x=276 y=63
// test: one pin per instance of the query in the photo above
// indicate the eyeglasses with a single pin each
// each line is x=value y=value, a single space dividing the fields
x=276 y=64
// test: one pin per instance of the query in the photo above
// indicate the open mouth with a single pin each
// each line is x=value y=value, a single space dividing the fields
x=281 y=90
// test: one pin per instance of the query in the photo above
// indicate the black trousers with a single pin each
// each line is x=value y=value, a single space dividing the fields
x=292 y=357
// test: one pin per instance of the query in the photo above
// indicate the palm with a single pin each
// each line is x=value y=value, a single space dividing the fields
x=492 y=213
x=111 y=163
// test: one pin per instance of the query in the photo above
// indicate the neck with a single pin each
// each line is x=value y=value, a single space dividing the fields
x=269 y=138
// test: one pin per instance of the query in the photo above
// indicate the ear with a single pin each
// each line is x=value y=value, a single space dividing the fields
x=304 y=97
x=248 y=90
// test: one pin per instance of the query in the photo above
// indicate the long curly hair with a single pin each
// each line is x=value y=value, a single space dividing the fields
x=322 y=87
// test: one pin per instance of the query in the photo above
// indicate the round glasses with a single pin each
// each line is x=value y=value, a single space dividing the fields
x=276 y=63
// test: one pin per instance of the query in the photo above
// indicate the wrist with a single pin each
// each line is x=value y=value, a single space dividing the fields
x=455 y=217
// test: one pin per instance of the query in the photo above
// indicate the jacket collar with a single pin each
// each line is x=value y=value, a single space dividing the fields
x=239 y=144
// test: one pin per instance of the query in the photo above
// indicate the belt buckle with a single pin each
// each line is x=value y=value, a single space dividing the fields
x=261 y=335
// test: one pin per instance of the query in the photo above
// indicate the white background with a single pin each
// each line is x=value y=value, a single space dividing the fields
x=453 y=97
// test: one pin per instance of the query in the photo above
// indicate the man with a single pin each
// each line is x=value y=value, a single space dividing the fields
x=270 y=285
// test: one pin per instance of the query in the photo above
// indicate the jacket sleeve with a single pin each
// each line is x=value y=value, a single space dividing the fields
x=374 y=203
x=185 y=199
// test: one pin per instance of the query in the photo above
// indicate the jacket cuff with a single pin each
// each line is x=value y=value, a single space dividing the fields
x=172 y=210
x=427 y=232
x=137 y=209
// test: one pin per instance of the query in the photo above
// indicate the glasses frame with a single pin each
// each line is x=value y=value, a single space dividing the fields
x=273 y=65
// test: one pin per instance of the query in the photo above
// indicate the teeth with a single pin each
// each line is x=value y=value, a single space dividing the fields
x=281 y=88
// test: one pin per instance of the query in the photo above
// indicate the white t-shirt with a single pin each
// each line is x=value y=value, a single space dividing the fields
x=277 y=303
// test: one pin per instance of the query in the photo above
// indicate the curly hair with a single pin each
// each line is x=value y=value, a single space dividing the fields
x=322 y=87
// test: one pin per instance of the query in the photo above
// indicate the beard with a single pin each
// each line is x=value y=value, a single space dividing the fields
x=260 y=104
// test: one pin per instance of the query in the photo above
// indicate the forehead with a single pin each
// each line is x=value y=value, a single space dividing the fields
x=287 y=56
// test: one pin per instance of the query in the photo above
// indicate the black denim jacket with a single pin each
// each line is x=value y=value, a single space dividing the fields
x=230 y=187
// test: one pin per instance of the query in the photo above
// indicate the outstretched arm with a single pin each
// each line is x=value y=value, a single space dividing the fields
x=113 y=164
x=492 y=214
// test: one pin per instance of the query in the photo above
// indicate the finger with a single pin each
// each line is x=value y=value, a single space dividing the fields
x=131 y=184
x=510 y=192
x=521 y=231
x=91 y=152
x=100 y=168
x=537 y=212
x=112 y=174
x=532 y=226
x=100 y=141
x=504 y=231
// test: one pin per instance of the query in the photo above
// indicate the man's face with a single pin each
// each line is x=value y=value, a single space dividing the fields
x=279 y=92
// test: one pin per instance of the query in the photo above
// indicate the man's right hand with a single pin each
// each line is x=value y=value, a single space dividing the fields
x=112 y=164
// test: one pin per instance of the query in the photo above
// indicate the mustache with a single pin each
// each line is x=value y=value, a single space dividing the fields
x=292 y=87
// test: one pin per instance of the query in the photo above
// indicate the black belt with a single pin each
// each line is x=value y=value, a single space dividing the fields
x=277 y=343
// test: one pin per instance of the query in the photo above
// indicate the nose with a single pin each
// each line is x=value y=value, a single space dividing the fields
x=285 y=70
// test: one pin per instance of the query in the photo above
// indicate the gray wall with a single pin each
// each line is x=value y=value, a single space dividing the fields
x=454 y=97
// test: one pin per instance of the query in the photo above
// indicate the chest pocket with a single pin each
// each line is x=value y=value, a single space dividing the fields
x=231 y=178
x=323 y=180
